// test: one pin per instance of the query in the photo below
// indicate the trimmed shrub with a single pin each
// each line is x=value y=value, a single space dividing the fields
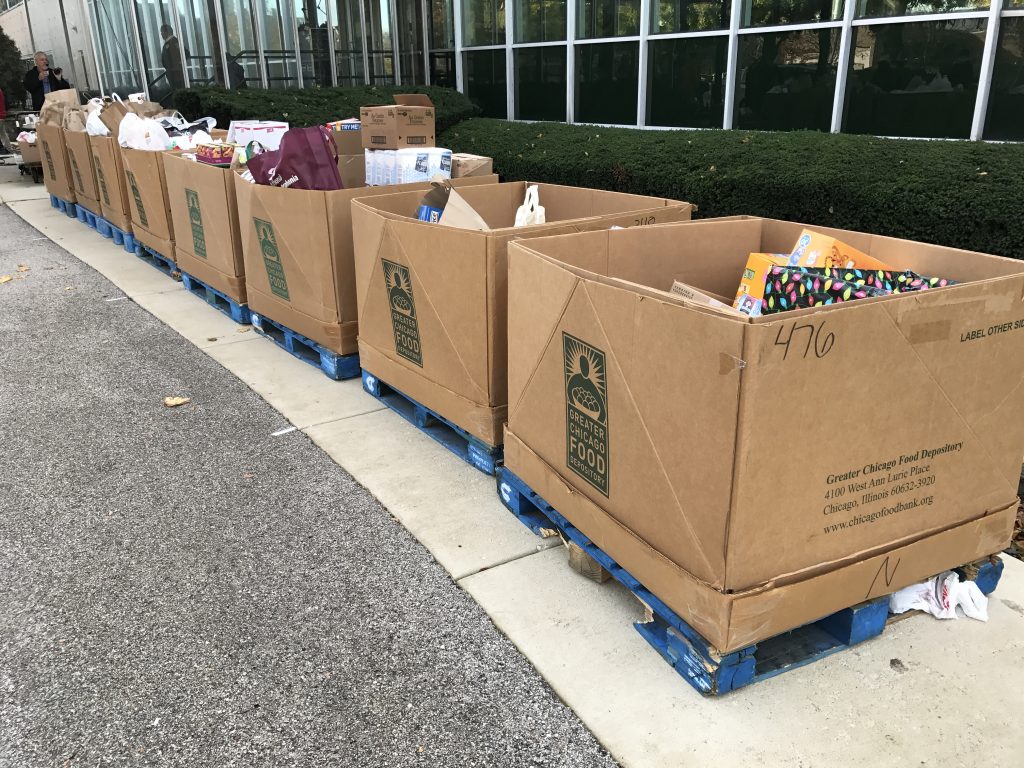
x=311 y=106
x=954 y=193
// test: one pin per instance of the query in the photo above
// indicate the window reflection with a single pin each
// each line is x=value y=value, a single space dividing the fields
x=687 y=82
x=540 y=21
x=669 y=16
x=786 y=80
x=483 y=22
x=760 y=13
x=607 y=18
x=917 y=79
x=606 y=82
x=884 y=8
x=1006 y=100
x=540 y=83
x=485 y=81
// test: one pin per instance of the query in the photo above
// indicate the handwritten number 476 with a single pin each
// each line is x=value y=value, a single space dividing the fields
x=815 y=339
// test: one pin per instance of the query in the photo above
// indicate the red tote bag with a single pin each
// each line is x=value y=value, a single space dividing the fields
x=306 y=159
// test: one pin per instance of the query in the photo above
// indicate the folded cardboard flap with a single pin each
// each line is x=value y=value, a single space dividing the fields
x=413 y=100
x=732 y=621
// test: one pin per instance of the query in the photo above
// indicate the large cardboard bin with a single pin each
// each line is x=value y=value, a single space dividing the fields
x=111 y=183
x=757 y=475
x=297 y=248
x=432 y=299
x=151 y=209
x=83 y=175
x=56 y=168
x=204 y=214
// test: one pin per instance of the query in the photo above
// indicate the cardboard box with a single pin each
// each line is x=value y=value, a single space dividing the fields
x=204 y=216
x=348 y=136
x=464 y=165
x=353 y=171
x=758 y=474
x=30 y=153
x=409 y=122
x=83 y=175
x=297 y=248
x=432 y=299
x=110 y=182
x=151 y=208
x=56 y=168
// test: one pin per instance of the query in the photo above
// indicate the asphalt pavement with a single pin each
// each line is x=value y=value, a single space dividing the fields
x=197 y=586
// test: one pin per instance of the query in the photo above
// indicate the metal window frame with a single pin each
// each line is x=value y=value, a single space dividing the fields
x=218 y=15
x=510 y=69
x=988 y=60
x=176 y=26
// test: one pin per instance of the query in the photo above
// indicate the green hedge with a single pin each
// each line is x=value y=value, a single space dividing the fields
x=311 y=106
x=955 y=193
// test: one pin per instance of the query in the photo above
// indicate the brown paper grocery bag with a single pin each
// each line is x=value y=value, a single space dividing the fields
x=74 y=119
x=65 y=96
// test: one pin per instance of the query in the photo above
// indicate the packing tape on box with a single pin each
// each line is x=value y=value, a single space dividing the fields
x=923 y=333
x=728 y=363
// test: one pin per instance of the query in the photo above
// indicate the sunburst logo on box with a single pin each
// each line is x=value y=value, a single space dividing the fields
x=586 y=411
x=195 y=218
x=403 y=312
x=271 y=258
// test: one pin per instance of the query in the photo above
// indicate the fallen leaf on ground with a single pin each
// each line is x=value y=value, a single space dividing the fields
x=244 y=330
x=211 y=338
x=5 y=279
x=23 y=268
x=174 y=402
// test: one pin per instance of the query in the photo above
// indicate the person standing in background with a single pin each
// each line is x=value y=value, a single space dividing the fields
x=41 y=80
x=170 y=58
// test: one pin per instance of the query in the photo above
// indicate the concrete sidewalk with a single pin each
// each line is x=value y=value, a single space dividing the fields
x=198 y=586
x=925 y=693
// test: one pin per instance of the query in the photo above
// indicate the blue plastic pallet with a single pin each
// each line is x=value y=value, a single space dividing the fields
x=157 y=260
x=217 y=299
x=693 y=657
x=334 y=366
x=125 y=239
x=470 y=449
x=86 y=216
x=65 y=207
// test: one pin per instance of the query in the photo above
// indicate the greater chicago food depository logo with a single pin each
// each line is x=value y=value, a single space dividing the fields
x=403 y=312
x=271 y=258
x=195 y=218
x=138 y=198
x=586 y=412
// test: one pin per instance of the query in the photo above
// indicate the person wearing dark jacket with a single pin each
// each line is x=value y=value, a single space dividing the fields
x=40 y=80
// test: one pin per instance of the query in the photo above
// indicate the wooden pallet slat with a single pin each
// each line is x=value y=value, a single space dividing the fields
x=334 y=366
x=467 y=447
x=217 y=299
x=683 y=647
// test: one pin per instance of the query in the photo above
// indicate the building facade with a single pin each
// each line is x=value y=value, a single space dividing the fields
x=915 y=68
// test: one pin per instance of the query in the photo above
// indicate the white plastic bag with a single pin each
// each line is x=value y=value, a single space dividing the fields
x=94 y=126
x=531 y=211
x=940 y=596
x=142 y=133
x=93 y=105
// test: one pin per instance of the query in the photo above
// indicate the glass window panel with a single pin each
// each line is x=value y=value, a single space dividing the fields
x=280 y=48
x=483 y=22
x=200 y=42
x=669 y=16
x=786 y=80
x=606 y=82
x=240 y=44
x=378 y=41
x=485 y=81
x=607 y=18
x=409 y=30
x=162 y=65
x=917 y=79
x=314 y=42
x=883 y=8
x=687 y=82
x=442 y=68
x=442 y=25
x=1005 y=119
x=760 y=13
x=348 y=42
x=540 y=21
x=540 y=83
x=115 y=47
